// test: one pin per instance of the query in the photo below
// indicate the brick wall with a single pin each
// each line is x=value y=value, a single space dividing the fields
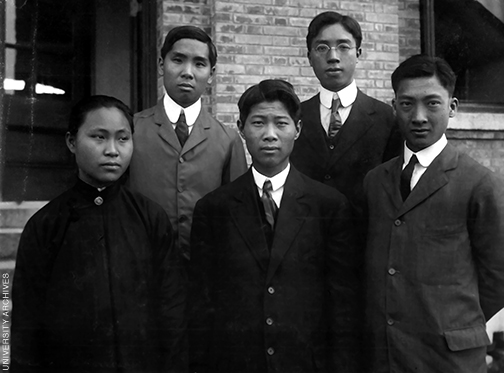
x=409 y=28
x=261 y=39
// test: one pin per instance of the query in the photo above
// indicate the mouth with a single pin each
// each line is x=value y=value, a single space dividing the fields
x=111 y=165
x=270 y=149
x=420 y=131
x=333 y=70
x=185 y=86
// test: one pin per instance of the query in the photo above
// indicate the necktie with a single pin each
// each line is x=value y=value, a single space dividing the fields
x=406 y=177
x=270 y=208
x=335 y=120
x=181 y=129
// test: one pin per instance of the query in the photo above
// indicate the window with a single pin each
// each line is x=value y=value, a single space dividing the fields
x=46 y=55
x=469 y=35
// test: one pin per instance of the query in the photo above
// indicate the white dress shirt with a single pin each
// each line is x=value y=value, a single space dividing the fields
x=347 y=97
x=173 y=109
x=277 y=182
x=425 y=158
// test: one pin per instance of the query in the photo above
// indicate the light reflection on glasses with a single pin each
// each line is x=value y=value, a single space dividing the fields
x=324 y=48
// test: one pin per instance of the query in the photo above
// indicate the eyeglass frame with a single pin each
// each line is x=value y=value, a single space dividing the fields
x=338 y=48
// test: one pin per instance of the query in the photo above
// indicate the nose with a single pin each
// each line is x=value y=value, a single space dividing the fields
x=332 y=55
x=111 y=149
x=419 y=115
x=187 y=70
x=270 y=133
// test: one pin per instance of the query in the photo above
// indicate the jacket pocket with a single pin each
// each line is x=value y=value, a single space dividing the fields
x=466 y=338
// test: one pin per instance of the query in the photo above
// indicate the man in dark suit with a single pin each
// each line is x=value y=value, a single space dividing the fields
x=273 y=284
x=434 y=256
x=345 y=132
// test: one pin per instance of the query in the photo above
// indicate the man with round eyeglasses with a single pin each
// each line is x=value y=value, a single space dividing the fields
x=345 y=132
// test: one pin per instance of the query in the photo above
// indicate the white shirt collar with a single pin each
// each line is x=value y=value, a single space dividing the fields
x=426 y=156
x=172 y=110
x=277 y=181
x=347 y=95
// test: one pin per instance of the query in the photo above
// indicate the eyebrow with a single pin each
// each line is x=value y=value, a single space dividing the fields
x=338 y=41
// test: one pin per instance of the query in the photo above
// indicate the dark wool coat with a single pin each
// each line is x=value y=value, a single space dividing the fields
x=291 y=310
x=96 y=286
x=434 y=266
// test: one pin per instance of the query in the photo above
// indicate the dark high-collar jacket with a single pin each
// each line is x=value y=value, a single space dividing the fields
x=96 y=286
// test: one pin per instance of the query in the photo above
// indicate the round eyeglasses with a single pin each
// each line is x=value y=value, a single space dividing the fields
x=340 y=48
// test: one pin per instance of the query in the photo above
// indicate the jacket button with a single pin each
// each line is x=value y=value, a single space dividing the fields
x=392 y=271
x=270 y=351
x=397 y=223
x=181 y=160
x=327 y=177
x=331 y=147
x=269 y=321
x=390 y=322
x=98 y=201
x=271 y=290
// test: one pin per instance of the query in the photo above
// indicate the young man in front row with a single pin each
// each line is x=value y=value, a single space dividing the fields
x=434 y=256
x=273 y=284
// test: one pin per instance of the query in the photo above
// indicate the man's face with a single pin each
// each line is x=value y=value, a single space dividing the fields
x=423 y=107
x=186 y=71
x=269 y=133
x=334 y=68
x=102 y=146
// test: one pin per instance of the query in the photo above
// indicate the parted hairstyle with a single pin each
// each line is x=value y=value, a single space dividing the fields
x=189 y=32
x=268 y=91
x=81 y=109
x=330 y=18
x=424 y=66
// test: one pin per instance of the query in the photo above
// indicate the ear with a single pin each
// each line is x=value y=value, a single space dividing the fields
x=298 y=125
x=70 y=142
x=309 y=58
x=359 y=52
x=240 y=128
x=453 y=106
x=160 y=66
x=394 y=105
x=210 y=78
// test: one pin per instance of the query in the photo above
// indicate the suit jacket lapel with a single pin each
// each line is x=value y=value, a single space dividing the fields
x=357 y=124
x=198 y=133
x=432 y=180
x=166 y=131
x=291 y=216
x=245 y=215
x=392 y=180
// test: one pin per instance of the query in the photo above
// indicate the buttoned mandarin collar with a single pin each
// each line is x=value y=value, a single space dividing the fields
x=426 y=156
x=347 y=95
x=277 y=182
x=172 y=110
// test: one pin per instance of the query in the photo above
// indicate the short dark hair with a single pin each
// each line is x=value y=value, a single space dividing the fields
x=91 y=103
x=267 y=91
x=330 y=18
x=189 y=32
x=420 y=66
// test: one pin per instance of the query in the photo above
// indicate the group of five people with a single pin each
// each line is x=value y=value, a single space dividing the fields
x=191 y=262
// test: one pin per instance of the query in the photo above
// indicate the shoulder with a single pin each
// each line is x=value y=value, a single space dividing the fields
x=227 y=192
x=143 y=204
x=377 y=105
x=381 y=170
x=311 y=103
x=145 y=113
x=48 y=218
x=316 y=190
x=217 y=128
